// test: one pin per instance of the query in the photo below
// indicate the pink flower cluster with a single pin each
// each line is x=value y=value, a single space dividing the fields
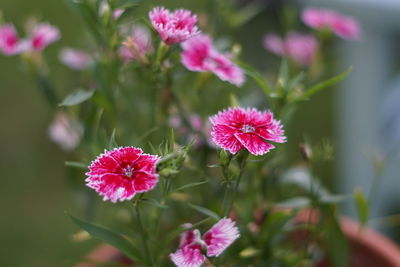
x=238 y=128
x=119 y=174
x=174 y=27
x=39 y=37
x=301 y=48
x=193 y=248
x=343 y=26
x=200 y=55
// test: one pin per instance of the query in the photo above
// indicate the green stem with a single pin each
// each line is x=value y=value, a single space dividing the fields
x=235 y=188
x=143 y=235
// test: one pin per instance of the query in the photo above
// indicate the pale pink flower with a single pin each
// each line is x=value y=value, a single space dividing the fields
x=118 y=13
x=9 y=40
x=238 y=128
x=75 y=59
x=173 y=27
x=200 y=55
x=65 y=132
x=120 y=174
x=137 y=45
x=343 y=26
x=196 y=131
x=193 y=248
x=301 y=48
x=42 y=35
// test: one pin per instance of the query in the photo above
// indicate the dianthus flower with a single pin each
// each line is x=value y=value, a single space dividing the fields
x=200 y=55
x=237 y=128
x=301 y=48
x=42 y=35
x=9 y=40
x=173 y=27
x=75 y=59
x=119 y=174
x=343 y=26
x=137 y=45
x=193 y=248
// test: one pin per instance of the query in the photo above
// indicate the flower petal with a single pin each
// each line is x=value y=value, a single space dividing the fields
x=254 y=144
x=220 y=236
x=224 y=136
x=189 y=256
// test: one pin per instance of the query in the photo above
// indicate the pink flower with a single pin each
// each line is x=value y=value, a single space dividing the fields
x=118 y=13
x=343 y=26
x=174 y=27
x=119 y=174
x=301 y=48
x=43 y=34
x=75 y=59
x=213 y=242
x=238 y=128
x=65 y=132
x=137 y=45
x=200 y=55
x=9 y=40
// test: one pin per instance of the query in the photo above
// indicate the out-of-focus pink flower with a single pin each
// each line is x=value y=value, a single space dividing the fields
x=299 y=47
x=214 y=242
x=238 y=128
x=9 y=40
x=42 y=35
x=75 y=59
x=118 y=13
x=119 y=174
x=65 y=132
x=137 y=45
x=197 y=130
x=173 y=27
x=200 y=55
x=343 y=26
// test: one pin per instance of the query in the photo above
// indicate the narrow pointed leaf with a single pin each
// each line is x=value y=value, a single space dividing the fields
x=77 y=97
x=205 y=211
x=322 y=85
x=362 y=206
x=114 y=239
x=191 y=185
x=256 y=76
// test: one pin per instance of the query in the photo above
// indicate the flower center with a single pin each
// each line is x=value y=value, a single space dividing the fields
x=128 y=171
x=246 y=128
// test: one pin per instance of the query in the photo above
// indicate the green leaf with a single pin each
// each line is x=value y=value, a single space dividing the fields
x=123 y=4
x=112 y=143
x=153 y=202
x=253 y=73
x=361 y=205
x=234 y=102
x=110 y=237
x=77 y=97
x=205 y=211
x=322 y=85
x=296 y=202
x=76 y=164
x=191 y=185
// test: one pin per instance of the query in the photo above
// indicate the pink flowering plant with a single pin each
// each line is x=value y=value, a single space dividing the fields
x=172 y=131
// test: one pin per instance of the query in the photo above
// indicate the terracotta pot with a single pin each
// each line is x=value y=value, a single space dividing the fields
x=367 y=247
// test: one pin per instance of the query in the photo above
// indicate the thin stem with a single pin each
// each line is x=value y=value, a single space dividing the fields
x=143 y=235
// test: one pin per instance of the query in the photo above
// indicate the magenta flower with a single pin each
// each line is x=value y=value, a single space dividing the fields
x=75 y=59
x=119 y=174
x=301 y=48
x=346 y=27
x=174 y=27
x=42 y=35
x=200 y=55
x=9 y=40
x=193 y=248
x=66 y=132
x=238 y=128
x=137 y=45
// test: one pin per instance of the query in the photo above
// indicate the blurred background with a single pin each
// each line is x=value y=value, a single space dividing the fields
x=360 y=117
